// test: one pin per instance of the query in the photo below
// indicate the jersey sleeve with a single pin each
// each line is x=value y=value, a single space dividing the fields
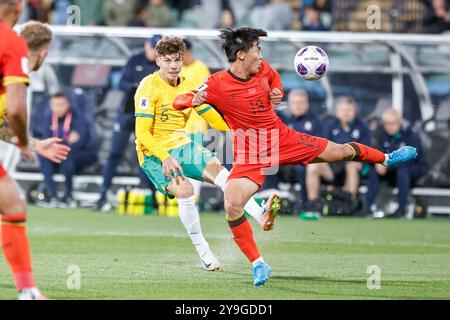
x=144 y=101
x=274 y=78
x=212 y=95
x=15 y=63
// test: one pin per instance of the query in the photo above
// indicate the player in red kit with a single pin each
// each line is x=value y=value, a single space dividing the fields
x=245 y=95
x=18 y=56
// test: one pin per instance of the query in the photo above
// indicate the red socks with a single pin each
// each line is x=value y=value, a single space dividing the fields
x=243 y=236
x=17 y=251
x=364 y=153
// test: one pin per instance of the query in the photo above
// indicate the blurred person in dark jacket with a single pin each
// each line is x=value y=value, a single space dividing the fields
x=140 y=16
x=68 y=123
x=436 y=16
x=302 y=119
x=138 y=67
x=345 y=127
x=396 y=133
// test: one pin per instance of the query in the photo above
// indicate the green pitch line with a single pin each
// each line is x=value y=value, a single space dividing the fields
x=126 y=257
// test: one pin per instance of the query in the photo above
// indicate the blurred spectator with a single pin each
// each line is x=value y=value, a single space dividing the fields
x=67 y=122
x=137 y=67
x=160 y=14
x=118 y=12
x=227 y=19
x=59 y=12
x=276 y=15
x=312 y=21
x=212 y=9
x=323 y=5
x=395 y=134
x=91 y=12
x=141 y=14
x=193 y=69
x=182 y=5
x=241 y=9
x=300 y=118
x=34 y=8
x=436 y=16
x=346 y=127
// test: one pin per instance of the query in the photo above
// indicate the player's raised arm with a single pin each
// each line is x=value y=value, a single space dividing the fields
x=208 y=93
x=188 y=100
x=276 y=87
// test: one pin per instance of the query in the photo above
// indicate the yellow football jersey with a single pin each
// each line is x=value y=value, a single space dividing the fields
x=153 y=100
x=197 y=72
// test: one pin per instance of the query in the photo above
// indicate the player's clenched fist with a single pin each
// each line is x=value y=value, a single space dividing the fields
x=276 y=96
x=199 y=98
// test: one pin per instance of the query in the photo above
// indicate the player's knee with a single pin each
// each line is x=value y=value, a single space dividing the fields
x=186 y=190
x=233 y=205
x=18 y=207
x=313 y=170
x=353 y=167
x=233 y=209
x=214 y=167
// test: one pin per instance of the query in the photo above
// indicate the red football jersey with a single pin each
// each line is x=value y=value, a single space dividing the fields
x=13 y=63
x=13 y=57
x=246 y=108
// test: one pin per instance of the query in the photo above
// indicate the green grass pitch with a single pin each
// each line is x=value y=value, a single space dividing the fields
x=129 y=257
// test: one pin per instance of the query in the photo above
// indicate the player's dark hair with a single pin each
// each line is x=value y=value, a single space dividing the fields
x=37 y=35
x=139 y=7
x=188 y=44
x=235 y=40
x=346 y=99
x=170 y=45
x=59 y=94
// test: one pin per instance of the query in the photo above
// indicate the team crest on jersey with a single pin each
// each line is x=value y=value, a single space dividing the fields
x=144 y=104
x=356 y=134
x=24 y=63
x=308 y=126
x=203 y=87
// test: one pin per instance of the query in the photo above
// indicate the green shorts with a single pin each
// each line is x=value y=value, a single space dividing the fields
x=192 y=157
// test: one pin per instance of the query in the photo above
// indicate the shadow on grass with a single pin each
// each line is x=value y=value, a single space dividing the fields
x=389 y=288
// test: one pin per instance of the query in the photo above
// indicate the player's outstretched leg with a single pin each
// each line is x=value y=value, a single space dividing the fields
x=355 y=151
x=190 y=219
x=14 y=239
x=237 y=194
x=264 y=214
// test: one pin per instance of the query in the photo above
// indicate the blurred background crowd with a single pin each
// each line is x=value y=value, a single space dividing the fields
x=386 y=94
x=427 y=16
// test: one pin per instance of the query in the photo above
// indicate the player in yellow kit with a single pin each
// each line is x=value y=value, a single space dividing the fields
x=166 y=153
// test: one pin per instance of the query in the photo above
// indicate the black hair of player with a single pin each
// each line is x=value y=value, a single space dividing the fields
x=235 y=40
x=188 y=44
x=59 y=94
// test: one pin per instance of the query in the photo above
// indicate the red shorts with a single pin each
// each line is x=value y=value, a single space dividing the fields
x=294 y=148
x=3 y=172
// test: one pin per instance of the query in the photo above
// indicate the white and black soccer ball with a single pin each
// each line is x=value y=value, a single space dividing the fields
x=311 y=63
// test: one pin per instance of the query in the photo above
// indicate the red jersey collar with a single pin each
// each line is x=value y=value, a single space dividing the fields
x=238 y=78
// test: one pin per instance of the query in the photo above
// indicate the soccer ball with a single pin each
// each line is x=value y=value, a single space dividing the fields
x=311 y=63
